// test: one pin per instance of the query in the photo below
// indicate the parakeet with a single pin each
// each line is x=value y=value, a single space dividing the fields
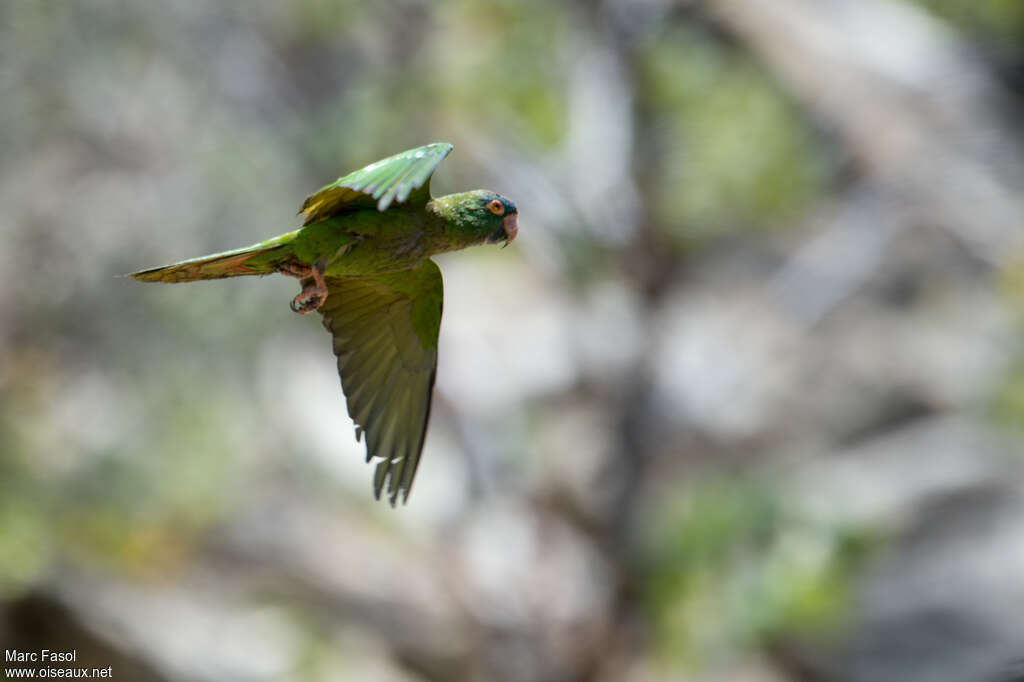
x=362 y=257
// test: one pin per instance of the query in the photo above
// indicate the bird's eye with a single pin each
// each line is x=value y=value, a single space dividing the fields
x=496 y=207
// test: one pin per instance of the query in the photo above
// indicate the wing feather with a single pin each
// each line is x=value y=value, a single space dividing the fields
x=399 y=178
x=385 y=331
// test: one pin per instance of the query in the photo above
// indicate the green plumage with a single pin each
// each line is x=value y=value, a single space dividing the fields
x=368 y=238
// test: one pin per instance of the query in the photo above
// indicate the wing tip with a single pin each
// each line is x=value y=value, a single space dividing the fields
x=447 y=146
x=385 y=472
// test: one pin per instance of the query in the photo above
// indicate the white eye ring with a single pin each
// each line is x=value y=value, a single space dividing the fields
x=496 y=207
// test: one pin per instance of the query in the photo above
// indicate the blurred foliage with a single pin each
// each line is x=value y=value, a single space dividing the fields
x=993 y=23
x=735 y=151
x=481 y=88
x=1007 y=401
x=730 y=563
x=66 y=496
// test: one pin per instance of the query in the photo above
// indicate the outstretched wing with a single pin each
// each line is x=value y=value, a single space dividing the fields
x=394 y=179
x=385 y=331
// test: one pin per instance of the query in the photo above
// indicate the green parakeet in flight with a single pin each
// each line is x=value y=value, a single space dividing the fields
x=362 y=257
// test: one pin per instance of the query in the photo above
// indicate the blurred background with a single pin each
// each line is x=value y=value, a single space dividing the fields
x=742 y=403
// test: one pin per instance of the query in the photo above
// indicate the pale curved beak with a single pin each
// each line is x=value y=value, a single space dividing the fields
x=511 y=225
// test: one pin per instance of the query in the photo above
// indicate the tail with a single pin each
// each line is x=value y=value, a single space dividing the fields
x=259 y=259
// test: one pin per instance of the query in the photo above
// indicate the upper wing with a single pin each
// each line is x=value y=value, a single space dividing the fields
x=385 y=331
x=392 y=179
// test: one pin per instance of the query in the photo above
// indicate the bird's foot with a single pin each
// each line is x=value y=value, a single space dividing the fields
x=308 y=300
x=295 y=270
x=314 y=288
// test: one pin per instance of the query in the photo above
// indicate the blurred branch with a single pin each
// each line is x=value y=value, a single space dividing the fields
x=919 y=114
x=838 y=260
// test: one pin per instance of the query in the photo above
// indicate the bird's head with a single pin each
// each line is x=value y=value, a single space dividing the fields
x=480 y=216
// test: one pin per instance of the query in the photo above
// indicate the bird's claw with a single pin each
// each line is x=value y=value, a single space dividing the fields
x=308 y=300
x=314 y=288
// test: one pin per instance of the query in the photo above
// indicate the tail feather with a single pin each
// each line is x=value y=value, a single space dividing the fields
x=252 y=260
